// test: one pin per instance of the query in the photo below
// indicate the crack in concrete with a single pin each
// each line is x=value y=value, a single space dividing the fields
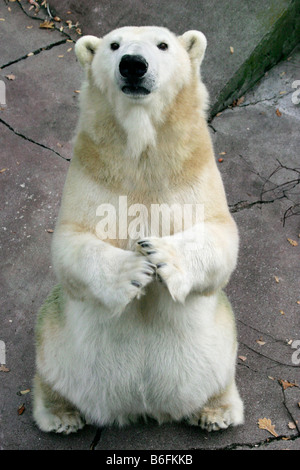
x=43 y=19
x=96 y=439
x=241 y=205
x=19 y=134
x=268 y=357
x=288 y=410
x=258 y=444
x=273 y=98
x=37 y=51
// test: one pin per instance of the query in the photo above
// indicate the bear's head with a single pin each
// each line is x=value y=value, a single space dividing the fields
x=139 y=71
x=140 y=61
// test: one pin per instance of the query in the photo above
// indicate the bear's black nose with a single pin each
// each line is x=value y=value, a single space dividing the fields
x=133 y=66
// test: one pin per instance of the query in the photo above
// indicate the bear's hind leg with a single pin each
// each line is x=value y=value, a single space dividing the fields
x=52 y=412
x=220 y=411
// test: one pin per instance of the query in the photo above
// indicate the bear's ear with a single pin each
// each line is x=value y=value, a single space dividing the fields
x=85 y=49
x=195 y=44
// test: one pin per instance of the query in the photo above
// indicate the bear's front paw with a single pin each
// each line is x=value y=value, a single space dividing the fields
x=170 y=268
x=136 y=272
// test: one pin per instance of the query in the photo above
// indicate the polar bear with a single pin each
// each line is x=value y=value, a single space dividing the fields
x=138 y=324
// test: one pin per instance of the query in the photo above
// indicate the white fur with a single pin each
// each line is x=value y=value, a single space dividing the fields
x=159 y=349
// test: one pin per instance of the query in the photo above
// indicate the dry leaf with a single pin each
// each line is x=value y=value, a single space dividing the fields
x=278 y=112
x=260 y=342
x=21 y=409
x=3 y=368
x=231 y=49
x=240 y=101
x=276 y=279
x=49 y=230
x=219 y=114
x=24 y=392
x=266 y=424
x=30 y=54
x=282 y=312
x=292 y=425
x=10 y=76
x=222 y=153
x=3 y=170
x=286 y=384
x=243 y=358
x=292 y=242
x=47 y=25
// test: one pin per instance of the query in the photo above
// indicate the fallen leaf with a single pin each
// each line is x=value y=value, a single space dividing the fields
x=276 y=279
x=292 y=425
x=299 y=404
x=243 y=358
x=3 y=170
x=10 y=76
x=231 y=49
x=282 y=92
x=222 y=153
x=29 y=27
x=47 y=25
x=24 y=392
x=30 y=54
x=60 y=56
x=21 y=409
x=240 y=101
x=33 y=2
x=282 y=312
x=57 y=18
x=266 y=424
x=278 y=112
x=76 y=91
x=219 y=114
x=260 y=342
x=3 y=368
x=286 y=384
x=49 y=230
x=298 y=302
x=292 y=242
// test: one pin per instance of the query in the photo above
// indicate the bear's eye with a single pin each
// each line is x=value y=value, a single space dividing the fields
x=114 y=46
x=162 y=46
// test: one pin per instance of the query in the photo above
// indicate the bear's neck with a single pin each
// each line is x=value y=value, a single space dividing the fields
x=147 y=150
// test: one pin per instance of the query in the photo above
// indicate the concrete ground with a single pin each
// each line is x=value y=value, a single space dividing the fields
x=257 y=140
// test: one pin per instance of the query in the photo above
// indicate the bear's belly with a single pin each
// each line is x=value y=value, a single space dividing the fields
x=160 y=363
